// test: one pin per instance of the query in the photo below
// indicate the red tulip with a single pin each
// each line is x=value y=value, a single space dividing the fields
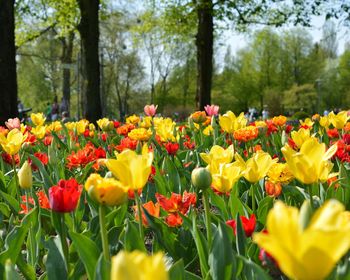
x=248 y=225
x=65 y=195
x=172 y=148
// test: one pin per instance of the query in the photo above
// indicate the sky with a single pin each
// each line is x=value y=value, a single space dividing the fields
x=238 y=41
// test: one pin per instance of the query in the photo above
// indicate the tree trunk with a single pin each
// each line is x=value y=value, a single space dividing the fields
x=67 y=53
x=89 y=33
x=204 y=44
x=8 y=78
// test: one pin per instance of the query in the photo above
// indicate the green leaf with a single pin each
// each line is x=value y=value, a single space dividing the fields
x=14 y=240
x=221 y=258
x=55 y=264
x=219 y=202
x=13 y=203
x=132 y=240
x=10 y=271
x=103 y=269
x=264 y=207
x=87 y=251
x=202 y=247
x=252 y=271
x=240 y=236
x=177 y=271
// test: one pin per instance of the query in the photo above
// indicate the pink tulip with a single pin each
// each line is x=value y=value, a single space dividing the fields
x=150 y=110
x=212 y=110
x=13 y=123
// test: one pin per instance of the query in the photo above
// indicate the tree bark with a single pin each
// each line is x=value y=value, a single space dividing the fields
x=89 y=33
x=67 y=53
x=8 y=77
x=204 y=44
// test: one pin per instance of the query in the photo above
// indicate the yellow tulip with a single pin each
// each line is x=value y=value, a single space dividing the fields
x=39 y=131
x=106 y=191
x=256 y=167
x=132 y=119
x=208 y=130
x=217 y=156
x=38 y=118
x=300 y=136
x=141 y=134
x=105 y=124
x=54 y=126
x=71 y=125
x=306 y=253
x=280 y=173
x=12 y=143
x=138 y=265
x=132 y=169
x=324 y=121
x=307 y=122
x=339 y=120
x=165 y=129
x=25 y=176
x=81 y=126
x=229 y=122
x=146 y=122
x=310 y=164
x=228 y=174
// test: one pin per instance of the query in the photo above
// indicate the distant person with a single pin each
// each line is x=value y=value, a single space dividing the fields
x=54 y=110
x=265 y=114
x=64 y=106
x=20 y=106
x=65 y=117
x=48 y=111
x=325 y=112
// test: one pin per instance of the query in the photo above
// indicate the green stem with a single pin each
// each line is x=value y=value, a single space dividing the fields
x=309 y=188
x=103 y=230
x=207 y=217
x=253 y=198
x=138 y=203
x=18 y=190
x=31 y=237
x=63 y=237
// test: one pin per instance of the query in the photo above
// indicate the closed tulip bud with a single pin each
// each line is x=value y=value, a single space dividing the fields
x=201 y=178
x=25 y=176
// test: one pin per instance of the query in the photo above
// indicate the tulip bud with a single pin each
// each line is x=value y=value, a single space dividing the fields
x=109 y=174
x=284 y=138
x=305 y=214
x=201 y=178
x=25 y=176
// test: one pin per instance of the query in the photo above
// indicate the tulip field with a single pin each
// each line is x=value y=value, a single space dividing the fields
x=213 y=196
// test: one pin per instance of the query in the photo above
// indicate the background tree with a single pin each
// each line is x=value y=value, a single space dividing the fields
x=89 y=33
x=8 y=77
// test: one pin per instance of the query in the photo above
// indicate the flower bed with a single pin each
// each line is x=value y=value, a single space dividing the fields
x=213 y=198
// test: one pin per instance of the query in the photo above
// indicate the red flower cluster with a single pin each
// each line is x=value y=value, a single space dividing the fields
x=271 y=127
x=172 y=148
x=126 y=143
x=48 y=140
x=65 y=195
x=125 y=129
x=176 y=204
x=333 y=133
x=42 y=157
x=8 y=159
x=343 y=151
x=188 y=143
x=248 y=225
x=42 y=198
x=84 y=156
